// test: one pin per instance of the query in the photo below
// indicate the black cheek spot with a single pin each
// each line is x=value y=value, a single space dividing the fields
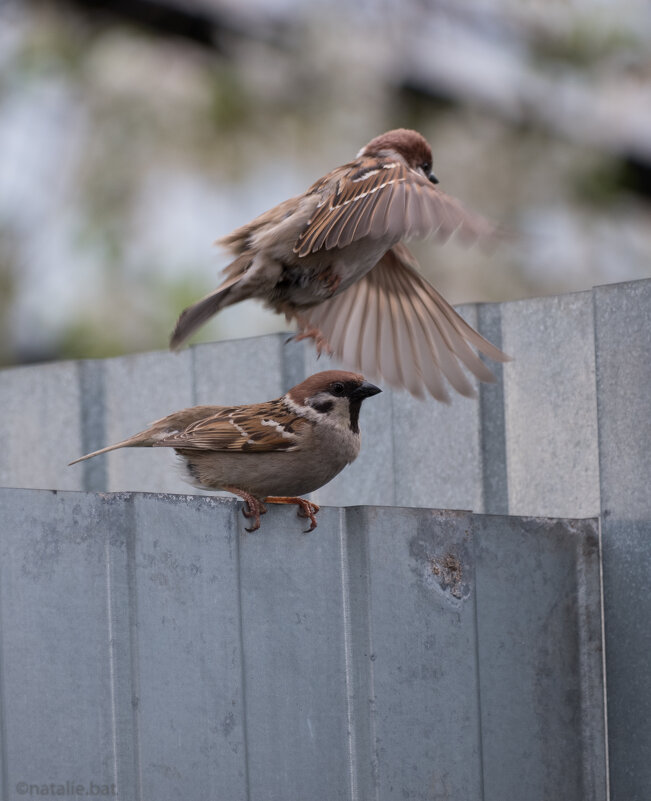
x=324 y=406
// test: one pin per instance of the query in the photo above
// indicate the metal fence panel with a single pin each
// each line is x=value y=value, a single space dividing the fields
x=423 y=634
x=542 y=716
x=438 y=449
x=563 y=432
x=187 y=652
x=139 y=389
x=146 y=641
x=55 y=668
x=40 y=422
x=550 y=408
x=294 y=643
x=623 y=336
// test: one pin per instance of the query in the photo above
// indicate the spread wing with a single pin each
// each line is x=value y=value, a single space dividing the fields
x=270 y=426
x=393 y=323
x=384 y=198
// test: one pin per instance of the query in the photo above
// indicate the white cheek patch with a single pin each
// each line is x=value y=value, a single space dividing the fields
x=302 y=411
x=338 y=415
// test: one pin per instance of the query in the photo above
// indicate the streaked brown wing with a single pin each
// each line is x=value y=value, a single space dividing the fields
x=389 y=200
x=393 y=323
x=270 y=426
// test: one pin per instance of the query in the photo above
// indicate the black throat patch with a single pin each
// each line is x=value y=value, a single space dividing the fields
x=355 y=406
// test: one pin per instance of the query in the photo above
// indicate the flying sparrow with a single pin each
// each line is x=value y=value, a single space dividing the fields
x=271 y=451
x=332 y=259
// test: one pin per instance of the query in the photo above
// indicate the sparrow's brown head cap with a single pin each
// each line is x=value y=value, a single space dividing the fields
x=336 y=382
x=411 y=145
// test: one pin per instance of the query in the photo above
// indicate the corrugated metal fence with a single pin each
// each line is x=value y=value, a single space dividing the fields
x=393 y=653
x=566 y=432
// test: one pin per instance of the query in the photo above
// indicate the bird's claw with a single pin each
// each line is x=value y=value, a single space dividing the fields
x=320 y=342
x=254 y=511
x=252 y=507
x=308 y=509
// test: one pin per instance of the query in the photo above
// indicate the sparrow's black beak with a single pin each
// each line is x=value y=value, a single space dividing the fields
x=365 y=390
x=433 y=178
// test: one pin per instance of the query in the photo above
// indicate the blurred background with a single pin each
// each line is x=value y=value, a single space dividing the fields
x=134 y=132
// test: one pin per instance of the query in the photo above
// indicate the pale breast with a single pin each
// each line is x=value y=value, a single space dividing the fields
x=324 y=454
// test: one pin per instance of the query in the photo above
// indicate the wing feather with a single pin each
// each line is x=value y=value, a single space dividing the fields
x=270 y=426
x=392 y=323
x=376 y=199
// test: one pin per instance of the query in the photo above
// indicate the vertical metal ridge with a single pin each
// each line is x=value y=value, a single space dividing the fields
x=602 y=605
x=134 y=651
x=622 y=351
x=359 y=656
x=92 y=407
x=348 y=663
x=234 y=520
x=394 y=461
x=480 y=733
x=495 y=491
x=4 y=767
x=119 y=526
x=604 y=689
x=112 y=639
x=591 y=662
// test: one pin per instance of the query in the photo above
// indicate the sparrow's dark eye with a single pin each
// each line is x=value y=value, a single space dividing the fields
x=337 y=388
x=426 y=167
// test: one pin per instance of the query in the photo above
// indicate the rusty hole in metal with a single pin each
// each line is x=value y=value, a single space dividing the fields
x=450 y=571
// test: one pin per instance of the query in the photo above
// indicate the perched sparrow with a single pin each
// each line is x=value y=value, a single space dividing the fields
x=269 y=451
x=332 y=260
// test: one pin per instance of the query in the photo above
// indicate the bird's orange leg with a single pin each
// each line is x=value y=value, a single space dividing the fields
x=320 y=342
x=307 y=331
x=306 y=508
x=255 y=507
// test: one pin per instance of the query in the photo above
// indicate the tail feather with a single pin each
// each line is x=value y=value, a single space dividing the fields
x=200 y=312
x=137 y=441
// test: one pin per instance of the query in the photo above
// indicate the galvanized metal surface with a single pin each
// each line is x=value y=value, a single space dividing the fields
x=528 y=445
x=146 y=642
x=564 y=432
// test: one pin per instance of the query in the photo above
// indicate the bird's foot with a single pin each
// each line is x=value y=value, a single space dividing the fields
x=320 y=342
x=306 y=508
x=253 y=508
